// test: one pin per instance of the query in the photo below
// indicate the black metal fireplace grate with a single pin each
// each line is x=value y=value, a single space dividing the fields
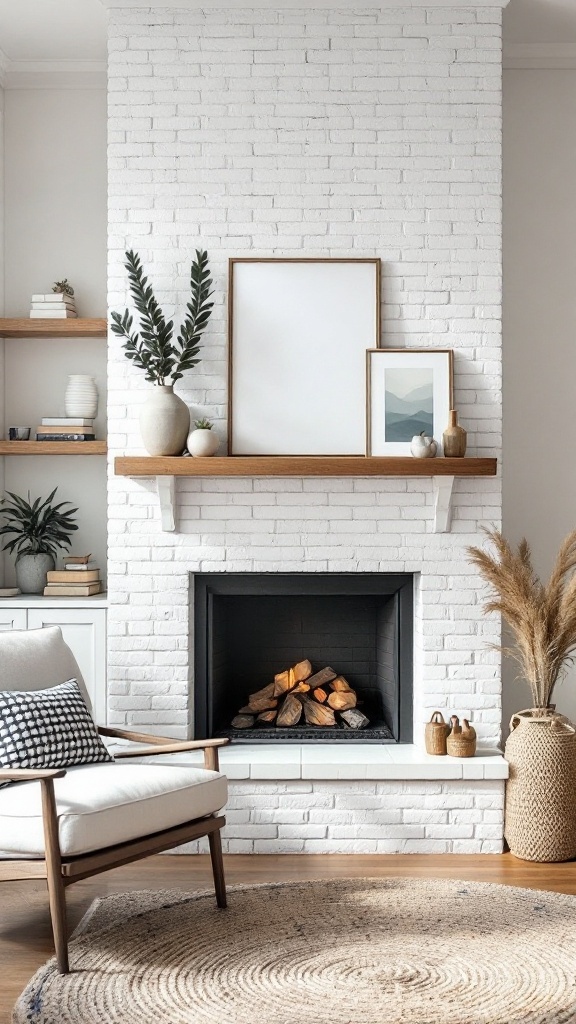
x=314 y=734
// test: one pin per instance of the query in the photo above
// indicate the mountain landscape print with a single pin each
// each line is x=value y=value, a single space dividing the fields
x=409 y=408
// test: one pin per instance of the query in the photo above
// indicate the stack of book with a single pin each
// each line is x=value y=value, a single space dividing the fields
x=55 y=306
x=79 y=578
x=66 y=428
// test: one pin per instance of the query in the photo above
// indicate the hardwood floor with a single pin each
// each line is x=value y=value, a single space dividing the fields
x=26 y=938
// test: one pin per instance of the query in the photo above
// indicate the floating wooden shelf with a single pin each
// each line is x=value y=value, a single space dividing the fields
x=301 y=465
x=53 y=448
x=442 y=471
x=26 y=327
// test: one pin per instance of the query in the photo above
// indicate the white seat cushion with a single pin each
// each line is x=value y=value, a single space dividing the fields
x=104 y=804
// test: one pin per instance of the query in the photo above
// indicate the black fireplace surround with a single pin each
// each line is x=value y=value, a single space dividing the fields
x=249 y=626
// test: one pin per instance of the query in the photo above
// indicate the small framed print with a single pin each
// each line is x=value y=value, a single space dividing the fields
x=409 y=391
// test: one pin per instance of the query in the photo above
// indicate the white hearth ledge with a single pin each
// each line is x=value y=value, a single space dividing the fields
x=280 y=761
x=359 y=5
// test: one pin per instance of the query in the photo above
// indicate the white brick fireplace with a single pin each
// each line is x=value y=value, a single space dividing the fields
x=369 y=130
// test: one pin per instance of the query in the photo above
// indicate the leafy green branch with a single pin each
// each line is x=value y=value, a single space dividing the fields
x=152 y=349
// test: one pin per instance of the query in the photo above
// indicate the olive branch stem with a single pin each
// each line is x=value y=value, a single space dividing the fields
x=152 y=348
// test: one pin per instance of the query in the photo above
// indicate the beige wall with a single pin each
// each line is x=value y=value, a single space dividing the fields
x=55 y=226
x=1 y=292
x=539 y=324
x=55 y=195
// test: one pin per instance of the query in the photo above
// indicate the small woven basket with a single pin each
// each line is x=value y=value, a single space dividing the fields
x=435 y=734
x=540 y=818
x=462 y=740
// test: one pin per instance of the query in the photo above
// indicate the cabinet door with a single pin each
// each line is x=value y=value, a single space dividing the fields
x=12 y=618
x=84 y=630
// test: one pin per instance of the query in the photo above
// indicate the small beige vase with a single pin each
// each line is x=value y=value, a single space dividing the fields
x=540 y=816
x=164 y=421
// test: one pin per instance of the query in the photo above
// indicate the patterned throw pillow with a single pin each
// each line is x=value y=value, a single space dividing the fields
x=48 y=729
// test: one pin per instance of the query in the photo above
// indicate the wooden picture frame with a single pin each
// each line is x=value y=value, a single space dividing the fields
x=298 y=330
x=407 y=390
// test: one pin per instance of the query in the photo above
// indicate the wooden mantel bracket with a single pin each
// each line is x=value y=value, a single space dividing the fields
x=443 y=489
x=166 y=488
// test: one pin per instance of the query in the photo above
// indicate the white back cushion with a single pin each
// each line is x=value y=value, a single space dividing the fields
x=35 y=659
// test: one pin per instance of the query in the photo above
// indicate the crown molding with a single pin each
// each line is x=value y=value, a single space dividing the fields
x=53 y=74
x=539 y=55
x=356 y=5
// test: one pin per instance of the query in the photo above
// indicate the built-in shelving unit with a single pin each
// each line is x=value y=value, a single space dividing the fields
x=75 y=327
x=53 y=448
x=32 y=346
x=442 y=471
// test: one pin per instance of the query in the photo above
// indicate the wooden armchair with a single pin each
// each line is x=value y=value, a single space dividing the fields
x=68 y=824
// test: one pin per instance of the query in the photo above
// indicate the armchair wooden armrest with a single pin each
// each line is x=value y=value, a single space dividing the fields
x=30 y=774
x=165 y=745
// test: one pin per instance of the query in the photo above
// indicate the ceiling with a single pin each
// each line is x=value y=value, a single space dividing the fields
x=53 y=30
x=76 y=29
x=539 y=21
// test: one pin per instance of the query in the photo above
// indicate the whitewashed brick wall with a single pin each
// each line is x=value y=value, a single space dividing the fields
x=325 y=133
x=370 y=817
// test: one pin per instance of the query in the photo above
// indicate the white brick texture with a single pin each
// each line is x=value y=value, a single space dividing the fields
x=315 y=133
x=362 y=817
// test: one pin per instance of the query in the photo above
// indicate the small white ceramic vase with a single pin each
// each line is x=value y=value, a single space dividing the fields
x=164 y=421
x=81 y=396
x=202 y=443
x=423 y=447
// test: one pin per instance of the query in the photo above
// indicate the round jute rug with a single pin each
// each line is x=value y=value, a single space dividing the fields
x=353 y=951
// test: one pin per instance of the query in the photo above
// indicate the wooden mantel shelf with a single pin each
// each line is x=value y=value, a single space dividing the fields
x=301 y=465
x=53 y=327
x=53 y=448
x=442 y=471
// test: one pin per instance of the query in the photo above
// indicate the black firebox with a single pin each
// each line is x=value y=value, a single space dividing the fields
x=250 y=626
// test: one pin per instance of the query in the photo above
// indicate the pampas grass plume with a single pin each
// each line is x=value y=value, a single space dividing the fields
x=541 y=617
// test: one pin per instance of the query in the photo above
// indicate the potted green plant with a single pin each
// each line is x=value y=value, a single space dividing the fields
x=202 y=442
x=41 y=529
x=540 y=817
x=164 y=417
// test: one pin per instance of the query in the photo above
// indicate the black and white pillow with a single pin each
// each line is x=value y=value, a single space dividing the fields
x=48 y=729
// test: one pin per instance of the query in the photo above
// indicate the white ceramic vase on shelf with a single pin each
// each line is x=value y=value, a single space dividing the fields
x=81 y=396
x=164 y=421
x=203 y=443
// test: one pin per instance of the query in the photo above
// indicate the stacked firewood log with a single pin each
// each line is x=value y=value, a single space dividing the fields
x=300 y=696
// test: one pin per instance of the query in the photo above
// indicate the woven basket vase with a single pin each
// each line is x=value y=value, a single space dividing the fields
x=540 y=817
x=435 y=734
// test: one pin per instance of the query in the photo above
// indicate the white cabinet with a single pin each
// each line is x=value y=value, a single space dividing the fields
x=84 y=630
x=13 y=618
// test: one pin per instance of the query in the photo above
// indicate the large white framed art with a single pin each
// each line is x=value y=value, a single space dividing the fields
x=408 y=391
x=298 y=333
